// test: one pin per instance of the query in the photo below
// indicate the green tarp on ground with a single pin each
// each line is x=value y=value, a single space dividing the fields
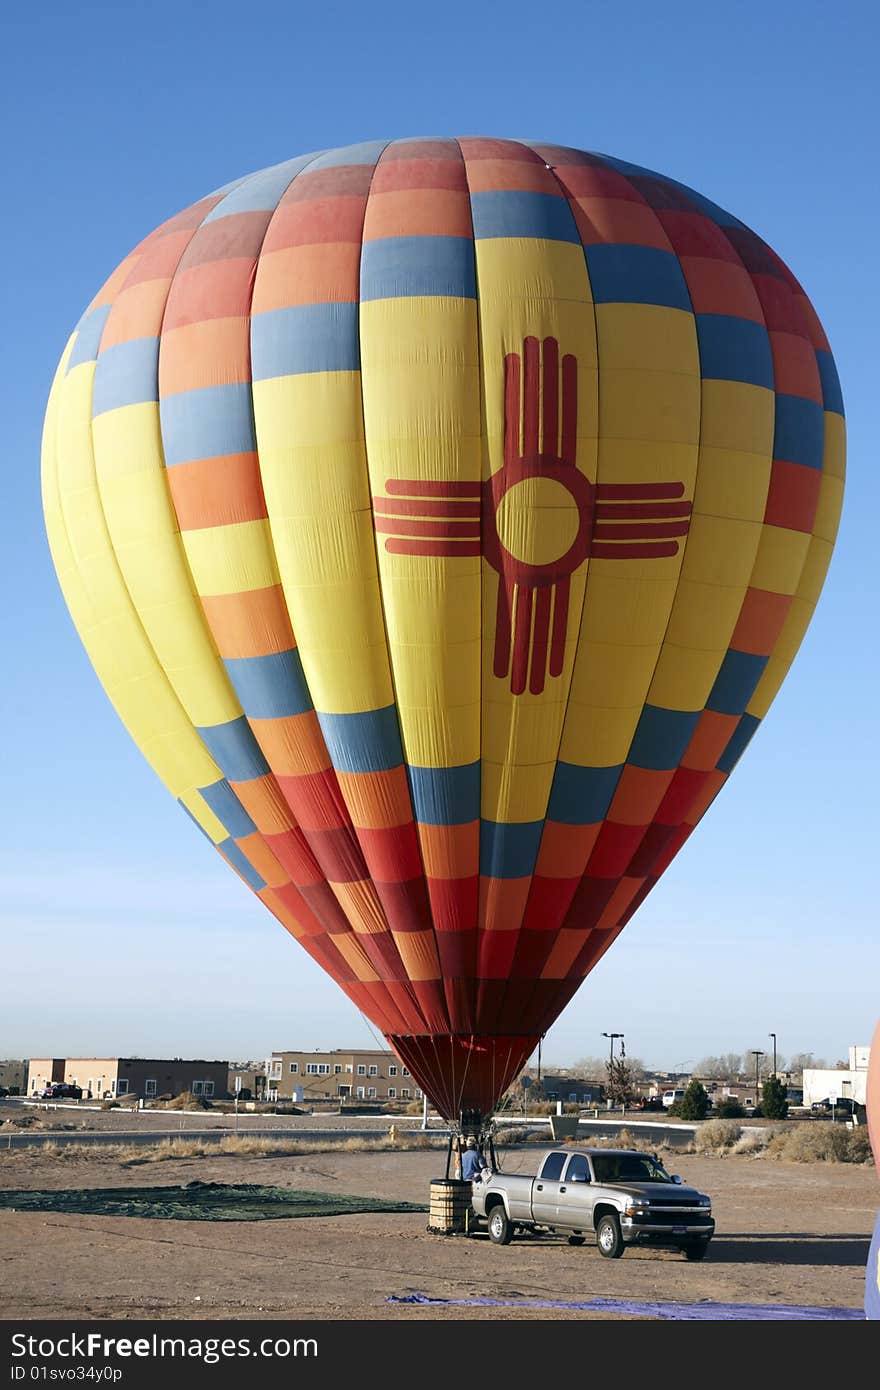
x=200 y=1201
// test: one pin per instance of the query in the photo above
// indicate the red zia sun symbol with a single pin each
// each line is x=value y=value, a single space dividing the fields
x=537 y=515
x=536 y=520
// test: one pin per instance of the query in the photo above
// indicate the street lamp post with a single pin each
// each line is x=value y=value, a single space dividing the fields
x=612 y=1036
x=773 y=1036
x=757 y=1054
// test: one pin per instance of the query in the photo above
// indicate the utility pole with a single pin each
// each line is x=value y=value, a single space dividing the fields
x=773 y=1036
x=757 y=1054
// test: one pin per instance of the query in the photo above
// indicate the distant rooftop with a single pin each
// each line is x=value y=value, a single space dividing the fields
x=337 y=1051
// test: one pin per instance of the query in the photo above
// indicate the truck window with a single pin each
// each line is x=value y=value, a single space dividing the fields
x=553 y=1166
x=578 y=1169
x=625 y=1167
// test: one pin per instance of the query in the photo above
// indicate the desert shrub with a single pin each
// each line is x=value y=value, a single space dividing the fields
x=716 y=1136
x=512 y=1135
x=860 y=1146
x=187 y=1101
x=812 y=1143
x=728 y=1108
x=109 y=1104
x=752 y=1142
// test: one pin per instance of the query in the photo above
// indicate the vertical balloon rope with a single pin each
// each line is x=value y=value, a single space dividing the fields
x=377 y=1038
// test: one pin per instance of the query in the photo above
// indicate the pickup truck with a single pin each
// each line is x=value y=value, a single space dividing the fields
x=625 y=1197
x=61 y=1090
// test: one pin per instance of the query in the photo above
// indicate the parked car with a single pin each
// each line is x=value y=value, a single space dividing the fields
x=670 y=1097
x=844 y=1107
x=4 y=1091
x=626 y=1197
x=61 y=1090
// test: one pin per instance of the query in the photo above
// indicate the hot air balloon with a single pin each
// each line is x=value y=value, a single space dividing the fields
x=441 y=517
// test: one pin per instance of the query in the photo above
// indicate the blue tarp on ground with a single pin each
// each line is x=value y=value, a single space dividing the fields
x=872 y=1278
x=678 y=1312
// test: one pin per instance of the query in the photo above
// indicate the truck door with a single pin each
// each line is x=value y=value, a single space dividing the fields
x=545 y=1190
x=574 y=1202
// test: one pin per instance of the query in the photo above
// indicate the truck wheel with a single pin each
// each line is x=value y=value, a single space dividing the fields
x=576 y=1240
x=696 y=1250
x=608 y=1237
x=500 y=1229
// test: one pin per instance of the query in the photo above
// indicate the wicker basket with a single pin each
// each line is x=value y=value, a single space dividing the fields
x=450 y=1206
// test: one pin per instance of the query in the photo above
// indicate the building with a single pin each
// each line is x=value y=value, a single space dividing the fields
x=838 y=1083
x=571 y=1088
x=742 y=1091
x=373 y=1075
x=108 y=1078
x=13 y=1075
x=247 y=1080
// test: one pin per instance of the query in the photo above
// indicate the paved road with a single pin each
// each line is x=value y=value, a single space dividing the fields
x=153 y=1136
x=309 y=1130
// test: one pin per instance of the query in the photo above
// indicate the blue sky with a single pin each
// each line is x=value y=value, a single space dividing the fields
x=122 y=931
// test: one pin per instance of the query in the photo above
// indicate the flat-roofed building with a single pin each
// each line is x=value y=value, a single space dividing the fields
x=572 y=1088
x=839 y=1083
x=42 y=1071
x=372 y=1075
x=13 y=1074
x=247 y=1080
x=109 y=1078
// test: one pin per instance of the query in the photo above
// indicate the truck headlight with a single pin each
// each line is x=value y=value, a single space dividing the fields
x=705 y=1202
x=637 y=1211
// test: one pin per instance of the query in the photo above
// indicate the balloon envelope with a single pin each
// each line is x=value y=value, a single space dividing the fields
x=442 y=517
x=872 y=1272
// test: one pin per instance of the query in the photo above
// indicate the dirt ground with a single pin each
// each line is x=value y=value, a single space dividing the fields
x=786 y=1233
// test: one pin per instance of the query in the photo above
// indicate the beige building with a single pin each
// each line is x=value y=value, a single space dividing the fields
x=108 y=1078
x=374 y=1075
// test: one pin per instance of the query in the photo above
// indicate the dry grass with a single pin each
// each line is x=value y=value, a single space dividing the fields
x=231 y=1145
x=625 y=1139
x=798 y=1143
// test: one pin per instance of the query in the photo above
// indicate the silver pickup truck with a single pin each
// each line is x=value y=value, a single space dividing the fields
x=626 y=1197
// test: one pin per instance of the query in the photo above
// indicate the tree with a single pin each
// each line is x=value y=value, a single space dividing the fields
x=620 y=1081
x=728 y=1108
x=694 y=1104
x=774 y=1105
x=800 y=1060
x=590 y=1068
x=710 y=1067
x=723 y=1068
